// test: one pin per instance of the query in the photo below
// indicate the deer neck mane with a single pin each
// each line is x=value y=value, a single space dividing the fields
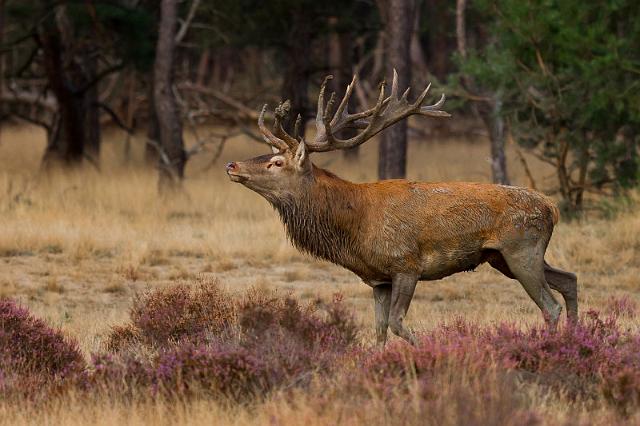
x=322 y=219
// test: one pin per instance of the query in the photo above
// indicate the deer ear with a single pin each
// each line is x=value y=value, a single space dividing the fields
x=275 y=150
x=301 y=155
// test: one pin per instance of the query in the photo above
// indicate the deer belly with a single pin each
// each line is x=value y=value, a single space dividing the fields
x=439 y=265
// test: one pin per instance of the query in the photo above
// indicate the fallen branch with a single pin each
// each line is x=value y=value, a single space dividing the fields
x=244 y=110
x=30 y=98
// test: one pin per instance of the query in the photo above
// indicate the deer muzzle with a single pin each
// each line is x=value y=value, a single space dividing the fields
x=233 y=170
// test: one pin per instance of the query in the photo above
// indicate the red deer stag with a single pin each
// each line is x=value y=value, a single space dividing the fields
x=395 y=233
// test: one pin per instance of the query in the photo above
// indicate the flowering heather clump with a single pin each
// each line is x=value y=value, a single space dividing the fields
x=588 y=359
x=218 y=370
x=183 y=339
x=296 y=340
x=577 y=350
x=457 y=346
x=178 y=313
x=32 y=354
x=314 y=325
x=194 y=342
x=125 y=375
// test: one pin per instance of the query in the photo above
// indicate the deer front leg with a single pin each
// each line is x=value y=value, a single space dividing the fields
x=402 y=288
x=382 y=299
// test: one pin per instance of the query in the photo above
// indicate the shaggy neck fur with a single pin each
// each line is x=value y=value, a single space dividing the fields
x=322 y=219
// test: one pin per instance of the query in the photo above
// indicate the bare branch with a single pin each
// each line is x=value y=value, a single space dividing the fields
x=115 y=117
x=184 y=28
x=244 y=110
x=30 y=98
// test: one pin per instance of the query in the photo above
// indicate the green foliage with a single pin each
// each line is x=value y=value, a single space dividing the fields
x=268 y=24
x=131 y=32
x=568 y=72
x=112 y=28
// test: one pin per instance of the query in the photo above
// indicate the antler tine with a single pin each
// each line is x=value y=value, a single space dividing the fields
x=281 y=112
x=381 y=99
x=296 y=127
x=423 y=95
x=434 y=110
x=329 y=107
x=394 y=85
x=326 y=122
x=320 y=112
x=430 y=110
x=405 y=94
x=343 y=108
x=269 y=137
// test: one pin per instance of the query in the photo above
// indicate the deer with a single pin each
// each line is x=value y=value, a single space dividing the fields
x=394 y=233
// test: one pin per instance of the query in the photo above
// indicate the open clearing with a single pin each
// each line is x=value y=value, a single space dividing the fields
x=75 y=248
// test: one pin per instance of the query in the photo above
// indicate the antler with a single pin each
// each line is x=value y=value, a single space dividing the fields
x=269 y=137
x=281 y=140
x=385 y=113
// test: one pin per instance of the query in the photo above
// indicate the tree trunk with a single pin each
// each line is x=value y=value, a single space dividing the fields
x=2 y=108
x=296 y=78
x=66 y=141
x=392 y=161
x=171 y=146
x=438 y=38
x=418 y=60
x=491 y=114
x=92 y=112
x=71 y=72
x=583 y=161
x=628 y=167
x=489 y=111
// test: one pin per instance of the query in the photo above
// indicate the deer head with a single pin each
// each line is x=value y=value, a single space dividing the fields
x=289 y=168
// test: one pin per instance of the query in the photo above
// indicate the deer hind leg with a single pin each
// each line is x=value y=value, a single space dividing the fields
x=527 y=265
x=402 y=289
x=567 y=284
x=382 y=299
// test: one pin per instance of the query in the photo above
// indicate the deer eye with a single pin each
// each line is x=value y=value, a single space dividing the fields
x=278 y=163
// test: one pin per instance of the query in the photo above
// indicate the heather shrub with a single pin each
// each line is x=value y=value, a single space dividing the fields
x=315 y=325
x=621 y=387
x=34 y=357
x=202 y=340
x=401 y=367
x=592 y=359
x=124 y=375
x=620 y=378
x=448 y=394
x=178 y=313
x=294 y=340
x=219 y=370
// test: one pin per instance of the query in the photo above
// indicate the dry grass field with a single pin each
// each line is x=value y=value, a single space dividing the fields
x=76 y=248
